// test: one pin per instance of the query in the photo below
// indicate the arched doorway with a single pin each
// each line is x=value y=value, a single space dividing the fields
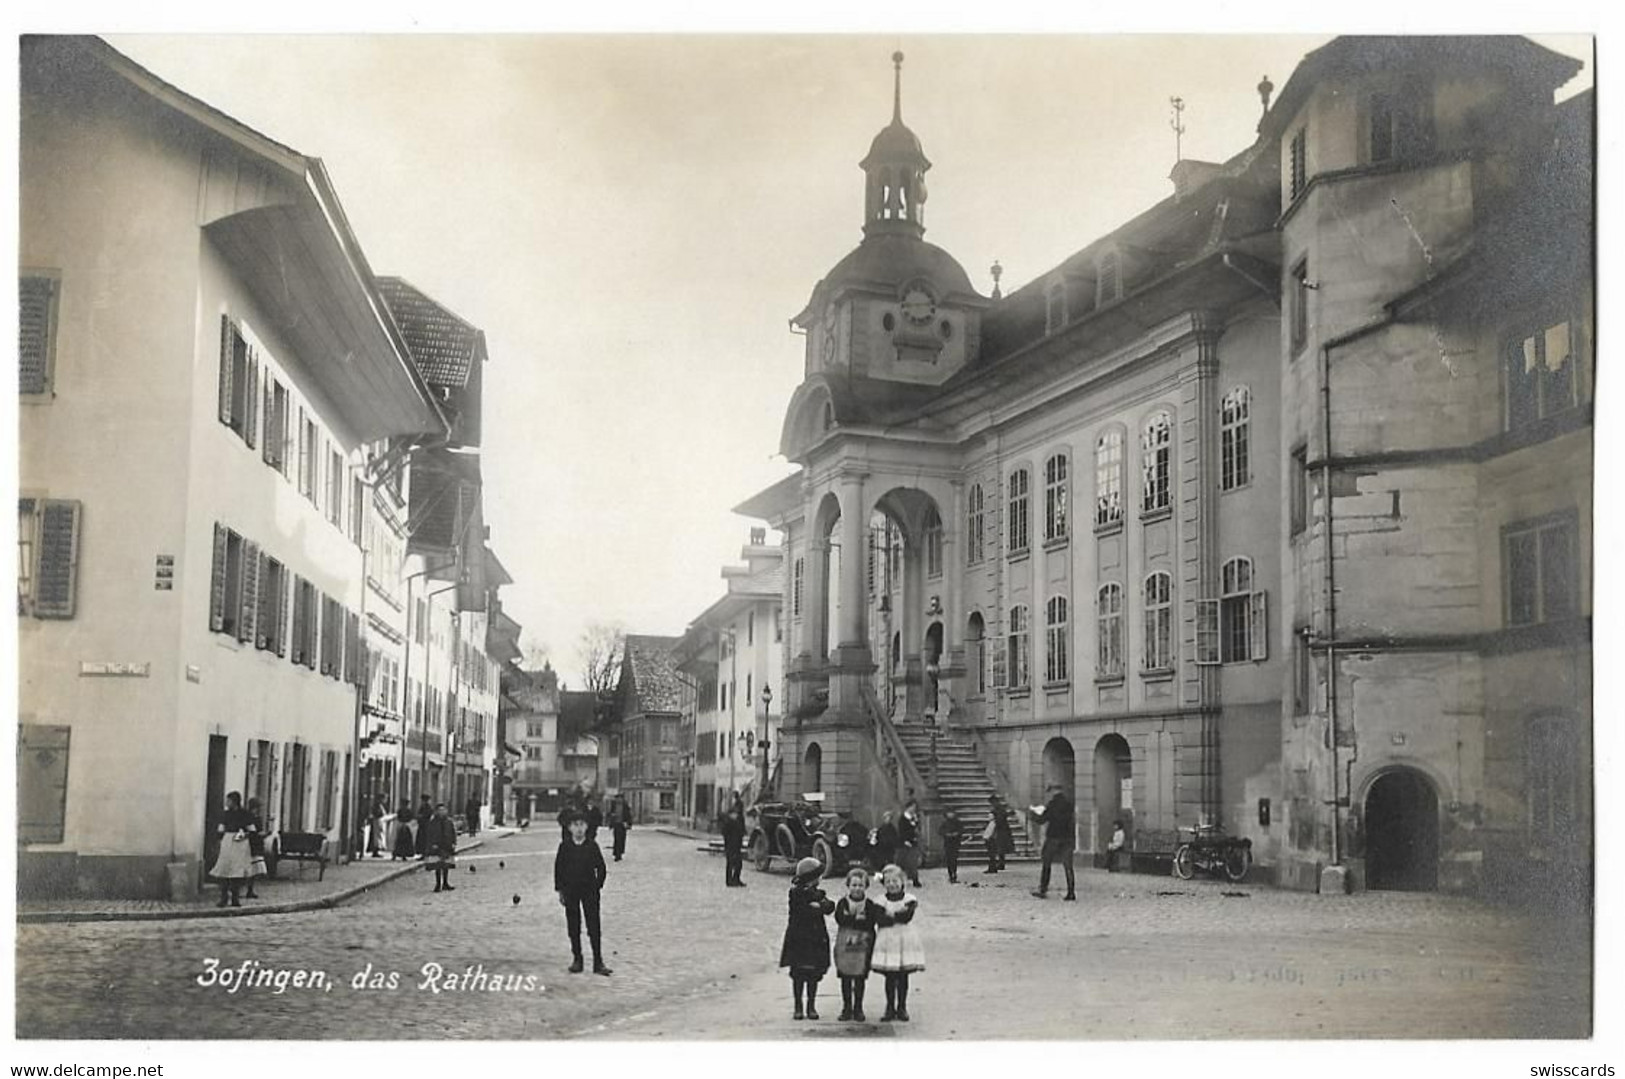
x=1402 y=832
x=975 y=655
x=812 y=768
x=1060 y=767
x=1114 y=787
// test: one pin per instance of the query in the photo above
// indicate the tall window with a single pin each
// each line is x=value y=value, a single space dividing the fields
x=1540 y=570
x=36 y=332
x=1234 y=628
x=1109 y=611
x=1109 y=479
x=1156 y=451
x=1298 y=165
x=1019 y=520
x=47 y=556
x=976 y=654
x=1552 y=778
x=1055 y=307
x=1109 y=280
x=309 y=462
x=1401 y=126
x=1055 y=488
x=335 y=488
x=1055 y=640
x=239 y=379
x=1298 y=490
x=1540 y=375
x=1234 y=434
x=933 y=543
x=275 y=451
x=976 y=525
x=1016 y=653
x=797 y=578
x=1298 y=306
x=233 y=591
x=1159 y=622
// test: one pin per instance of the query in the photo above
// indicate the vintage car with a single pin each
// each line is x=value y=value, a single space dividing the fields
x=795 y=830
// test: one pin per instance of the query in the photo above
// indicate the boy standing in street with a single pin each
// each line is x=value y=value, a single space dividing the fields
x=578 y=877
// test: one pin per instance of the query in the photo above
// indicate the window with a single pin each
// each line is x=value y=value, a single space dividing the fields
x=1055 y=640
x=1019 y=522
x=1241 y=614
x=1016 y=652
x=36 y=333
x=722 y=699
x=1055 y=307
x=1108 y=280
x=750 y=627
x=1234 y=430
x=271 y=615
x=1159 y=623
x=335 y=488
x=933 y=543
x=795 y=587
x=1055 y=488
x=1109 y=479
x=275 y=451
x=1540 y=378
x=1109 y=662
x=42 y=782
x=238 y=381
x=976 y=525
x=668 y=800
x=778 y=627
x=48 y=557
x=309 y=463
x=1540 y=571
x=1156 y=448
x=324 y=797
x=668 y=734
x=1401 y=127
x=294 y=785
x=976 y=655
x=358 y=508
x=1303 y=672
x=1298 y=304
x=1298 y=492
x=1552 y=779
x=829 y=415
x=303 y=637
x=1298 y=165
x=234 y=585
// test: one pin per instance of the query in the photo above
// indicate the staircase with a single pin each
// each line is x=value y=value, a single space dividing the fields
x=962 y=785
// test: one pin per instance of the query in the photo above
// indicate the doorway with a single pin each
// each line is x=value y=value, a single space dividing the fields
x=1114 y=788
x=1402 y=833
x=214 y=799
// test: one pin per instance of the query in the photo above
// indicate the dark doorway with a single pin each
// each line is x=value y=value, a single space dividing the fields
x=1402 y=833
x=1114 y=787
x=214 y=798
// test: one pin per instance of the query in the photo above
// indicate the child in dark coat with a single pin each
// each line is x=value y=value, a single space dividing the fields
x=806 y=938
x=440 y=848
x=578 y=876
x=952 y=833
x=858 y=917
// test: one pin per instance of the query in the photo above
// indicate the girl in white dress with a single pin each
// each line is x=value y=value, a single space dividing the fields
x=898 y=950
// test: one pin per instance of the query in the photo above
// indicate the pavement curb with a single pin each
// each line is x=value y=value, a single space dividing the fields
x=326 y=902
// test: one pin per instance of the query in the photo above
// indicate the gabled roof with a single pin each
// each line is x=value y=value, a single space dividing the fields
x=443 y=345
x=649 y=676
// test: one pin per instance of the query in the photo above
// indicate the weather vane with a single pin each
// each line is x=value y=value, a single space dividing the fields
x=1175 y=122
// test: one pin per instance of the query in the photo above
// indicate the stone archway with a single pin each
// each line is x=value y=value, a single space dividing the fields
x=1401 y=823
x=1114 y=786
x=1061 y=767
x=812 y=768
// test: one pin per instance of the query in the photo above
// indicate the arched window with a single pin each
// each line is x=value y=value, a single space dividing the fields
x=1110 y=616
x=975 y=525
x=829 y=415
x=1016 y=654
x=812 y=773
x=1020 y=485
x=1159 y=628
x=933 y=542
x=1056 y=667
x=1235 y=467
x=1156 y=449
x=1109 y=479
x=1055 y=498
x=1242 y=614
x=976 y=653
x=1552 y=779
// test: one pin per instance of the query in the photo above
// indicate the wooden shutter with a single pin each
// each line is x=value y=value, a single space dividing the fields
x=355 y=665
x=284 y=596
x=268 y=451
x=35 y=297
x=56 y=570
x=265 y=607
x=1207 y=632
x=298 y=619
x=226 y=334
x=249 y=592
x=42 y=782
x=250 y=392
x=313 y=635
x=1259 y=646
x=217 y=583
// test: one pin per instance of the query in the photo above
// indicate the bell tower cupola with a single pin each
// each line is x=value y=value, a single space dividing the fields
x=894 y=173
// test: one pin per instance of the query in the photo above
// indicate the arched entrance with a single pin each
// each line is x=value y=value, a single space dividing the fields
x=1114 y=787
x=1402 y=832
x=975 y=655
x=812 y=768
x=1060 y=766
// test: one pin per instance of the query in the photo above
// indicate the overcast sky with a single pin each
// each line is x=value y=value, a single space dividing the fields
x=632 y=221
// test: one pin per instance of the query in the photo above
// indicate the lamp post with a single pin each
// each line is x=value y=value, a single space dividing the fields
x=762 y=742
x=733 y=703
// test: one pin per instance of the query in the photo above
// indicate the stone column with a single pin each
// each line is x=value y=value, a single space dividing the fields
x=1197 y=461
x=853 y=591
x=952 y=662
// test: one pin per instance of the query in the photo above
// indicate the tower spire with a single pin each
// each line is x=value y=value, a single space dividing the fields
x=897 y=89
x=894 y=172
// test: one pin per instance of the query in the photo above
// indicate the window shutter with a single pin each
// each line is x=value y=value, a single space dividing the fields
x=1207 y=632
x=248 y=609
x=226 y=334
x=34 y=296
x=268 y=449
x=252 y=391
x=355 y=665
x=313 y=637
x=217 y=583
x=57 y=569
x=265 y=605
x=284 y=595
x=1259 y=630
x=322 y=632
x=299 y=617
x=42 y=782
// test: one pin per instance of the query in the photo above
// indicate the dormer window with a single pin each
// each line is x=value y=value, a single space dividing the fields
x=1298 y=164
x=1055 y=307
x=1108 y=280
x=1400 y=127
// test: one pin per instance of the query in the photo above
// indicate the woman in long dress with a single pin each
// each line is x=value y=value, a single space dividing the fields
x=234 y=864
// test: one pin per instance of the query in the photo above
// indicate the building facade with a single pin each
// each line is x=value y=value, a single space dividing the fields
x=1084 y=529
x=646 y=721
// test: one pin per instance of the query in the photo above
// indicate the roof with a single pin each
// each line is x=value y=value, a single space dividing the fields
x=442 y=344
x=887 y=261
x=649 y=675
x=578 y=710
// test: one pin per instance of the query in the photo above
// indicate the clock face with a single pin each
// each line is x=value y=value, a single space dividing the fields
x=918 y=306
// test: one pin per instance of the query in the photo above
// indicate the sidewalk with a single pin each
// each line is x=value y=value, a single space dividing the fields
x=295 y=889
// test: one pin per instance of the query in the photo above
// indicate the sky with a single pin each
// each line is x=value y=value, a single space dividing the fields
x=633 y=219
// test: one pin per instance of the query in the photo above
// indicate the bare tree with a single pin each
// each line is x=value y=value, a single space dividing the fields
x=534 y=654
x=599 y=653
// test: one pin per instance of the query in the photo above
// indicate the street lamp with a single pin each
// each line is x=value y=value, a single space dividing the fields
x=767 y=712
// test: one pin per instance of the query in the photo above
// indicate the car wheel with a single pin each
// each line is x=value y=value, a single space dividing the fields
x=760 y=854
x=826 y=857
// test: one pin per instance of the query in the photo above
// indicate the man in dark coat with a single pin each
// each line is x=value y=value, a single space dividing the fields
x=951 y=836
x=619 y=820
x=1001 y=842
x=424 y=814
x=1059 y=840
x=733 y=844
x=579 y=806
x=908 y=841
x=471 y=815
x=578 y=876
x=883 y=849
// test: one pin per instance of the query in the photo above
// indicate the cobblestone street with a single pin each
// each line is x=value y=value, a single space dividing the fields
x=1137 y=957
